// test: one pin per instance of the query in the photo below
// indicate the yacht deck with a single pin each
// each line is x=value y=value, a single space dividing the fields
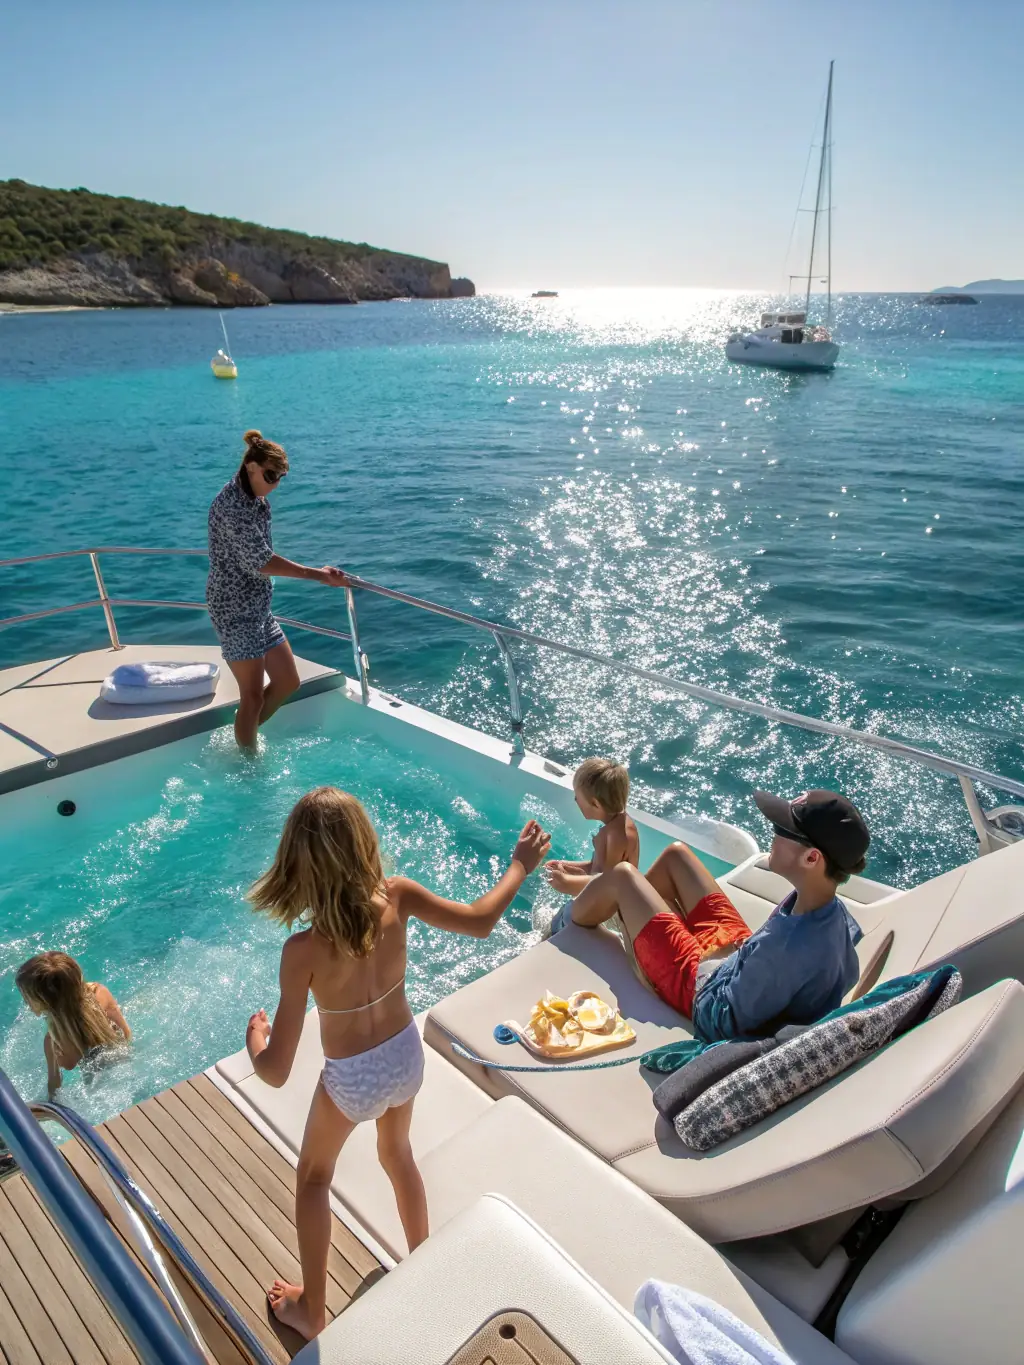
x=230 y=1196
x=52 y=720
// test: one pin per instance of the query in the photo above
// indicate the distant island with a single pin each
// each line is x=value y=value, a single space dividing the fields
x=957 y=296
x=983 y=287
x=75 y=248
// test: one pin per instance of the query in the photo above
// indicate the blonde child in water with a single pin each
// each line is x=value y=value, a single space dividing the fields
x=352 y=957
x=83 y=1018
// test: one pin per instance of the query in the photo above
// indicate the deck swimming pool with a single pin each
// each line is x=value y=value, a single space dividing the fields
x=145 y=883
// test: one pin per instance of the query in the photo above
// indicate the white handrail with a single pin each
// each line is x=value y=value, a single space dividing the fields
x=911 y=753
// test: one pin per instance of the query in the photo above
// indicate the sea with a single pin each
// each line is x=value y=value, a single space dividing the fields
x=848 y=545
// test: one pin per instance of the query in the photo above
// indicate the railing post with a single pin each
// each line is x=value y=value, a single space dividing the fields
x=360 y=660
x=515 y=704
x=108 y=610
x=977 y=814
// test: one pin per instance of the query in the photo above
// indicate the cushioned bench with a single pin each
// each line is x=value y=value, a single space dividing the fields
x=492 y=1258
x=879 y=1129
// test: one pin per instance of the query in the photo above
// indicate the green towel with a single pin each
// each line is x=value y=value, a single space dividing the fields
x=674 y=1055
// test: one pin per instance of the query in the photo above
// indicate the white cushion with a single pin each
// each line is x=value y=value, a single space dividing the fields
x=490 y=1258
x=875 y=1131
x=944 y=1287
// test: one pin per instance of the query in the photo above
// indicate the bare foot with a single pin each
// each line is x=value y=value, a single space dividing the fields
x=289 y=1306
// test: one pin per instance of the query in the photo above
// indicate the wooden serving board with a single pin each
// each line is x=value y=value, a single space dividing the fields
x=621 y=1035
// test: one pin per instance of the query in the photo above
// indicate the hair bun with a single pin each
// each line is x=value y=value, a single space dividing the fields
x=253 y=438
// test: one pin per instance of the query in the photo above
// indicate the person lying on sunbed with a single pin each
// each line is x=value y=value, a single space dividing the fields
x=695 y=950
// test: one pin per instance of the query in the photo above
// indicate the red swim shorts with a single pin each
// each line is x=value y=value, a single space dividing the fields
x=668 y=947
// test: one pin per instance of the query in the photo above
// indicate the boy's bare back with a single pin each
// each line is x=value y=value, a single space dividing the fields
x=616 y=842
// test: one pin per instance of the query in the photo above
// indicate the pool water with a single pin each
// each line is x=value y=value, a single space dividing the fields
x=145 y=885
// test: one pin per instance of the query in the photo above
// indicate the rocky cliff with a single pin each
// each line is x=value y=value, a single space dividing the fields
x=75 y=247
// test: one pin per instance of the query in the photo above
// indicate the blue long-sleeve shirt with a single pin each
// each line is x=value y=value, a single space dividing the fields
x=793 y=970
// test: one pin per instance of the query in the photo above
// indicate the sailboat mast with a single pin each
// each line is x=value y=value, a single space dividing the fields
x=223 y=328
x=828 y=141
x=817 y=202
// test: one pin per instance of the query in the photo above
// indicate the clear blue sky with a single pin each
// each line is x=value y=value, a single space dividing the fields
x=547 y=143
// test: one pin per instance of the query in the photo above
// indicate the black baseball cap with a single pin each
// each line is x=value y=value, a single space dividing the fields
x=825 y=820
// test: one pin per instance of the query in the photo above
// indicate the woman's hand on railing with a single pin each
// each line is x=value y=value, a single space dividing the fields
x=332 y=577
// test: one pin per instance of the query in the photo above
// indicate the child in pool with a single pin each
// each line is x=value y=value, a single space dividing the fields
x=601 y=789
x=83 y=1018
x=352 y=957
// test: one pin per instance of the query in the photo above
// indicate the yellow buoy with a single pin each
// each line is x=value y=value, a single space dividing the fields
x=223 y=366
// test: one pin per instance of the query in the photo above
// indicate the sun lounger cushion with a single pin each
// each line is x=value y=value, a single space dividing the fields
x=814 y=1056
x=148 y=684
x=880 y=1128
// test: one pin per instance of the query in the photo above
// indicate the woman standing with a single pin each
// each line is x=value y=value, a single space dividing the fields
x=239 y=590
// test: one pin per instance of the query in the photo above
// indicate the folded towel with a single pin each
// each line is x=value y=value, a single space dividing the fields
x=163 y=674
x=697 y=1331
x=150 y=684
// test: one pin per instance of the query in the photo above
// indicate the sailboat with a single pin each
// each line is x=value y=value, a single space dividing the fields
x=783 y=339
x=222 y=365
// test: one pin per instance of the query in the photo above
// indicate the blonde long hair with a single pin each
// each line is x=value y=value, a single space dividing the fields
x=53 y=985
x=327 y=872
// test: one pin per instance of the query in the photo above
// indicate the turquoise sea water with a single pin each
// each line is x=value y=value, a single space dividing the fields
x=589 y=468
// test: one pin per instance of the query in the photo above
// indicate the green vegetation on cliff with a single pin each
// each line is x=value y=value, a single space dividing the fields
x=39 y=225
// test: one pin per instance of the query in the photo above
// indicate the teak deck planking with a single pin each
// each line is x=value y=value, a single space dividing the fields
x=228 y=1194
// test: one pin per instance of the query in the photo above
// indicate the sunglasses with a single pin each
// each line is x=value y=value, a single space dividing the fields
x=781 y=833
x=270 y=476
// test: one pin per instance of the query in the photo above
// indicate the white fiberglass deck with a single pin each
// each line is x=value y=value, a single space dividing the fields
x=52 y=709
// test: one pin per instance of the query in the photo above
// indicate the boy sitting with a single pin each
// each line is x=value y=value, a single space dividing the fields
x=601 y=789
x=696 y=951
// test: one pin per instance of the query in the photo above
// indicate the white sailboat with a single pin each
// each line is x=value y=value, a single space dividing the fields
x=783 y=340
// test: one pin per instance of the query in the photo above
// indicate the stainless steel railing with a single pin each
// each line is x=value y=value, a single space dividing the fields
x=117 y=1279
x=115 y=1276
x=967 y=773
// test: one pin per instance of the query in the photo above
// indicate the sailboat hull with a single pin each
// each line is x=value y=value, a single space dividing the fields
x=782 y=355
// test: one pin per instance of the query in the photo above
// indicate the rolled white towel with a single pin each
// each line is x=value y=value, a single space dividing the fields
x=163 y=674
x=149 y=684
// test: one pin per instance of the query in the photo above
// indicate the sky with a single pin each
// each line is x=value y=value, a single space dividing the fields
x=546 y=143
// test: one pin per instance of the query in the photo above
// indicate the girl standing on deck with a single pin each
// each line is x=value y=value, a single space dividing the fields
x=352 y=958
x=239 y=590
